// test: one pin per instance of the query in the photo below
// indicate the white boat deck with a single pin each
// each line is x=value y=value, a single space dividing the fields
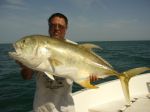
x=109 y=97
x=140 y=104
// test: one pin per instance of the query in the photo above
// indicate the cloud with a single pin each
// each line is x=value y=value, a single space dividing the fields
x=84 y=29
x=117 y=24
x=13 y=4
x=89 y=4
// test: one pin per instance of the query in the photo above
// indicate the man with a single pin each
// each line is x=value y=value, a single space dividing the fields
x=53 y=95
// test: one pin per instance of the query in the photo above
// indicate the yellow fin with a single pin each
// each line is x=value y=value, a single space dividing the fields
x=125 y=78
x=135 y=71
x=87 y=84
x=125 y=87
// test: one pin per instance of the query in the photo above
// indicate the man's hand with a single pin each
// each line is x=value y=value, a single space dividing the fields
x=25 y=71
x=93 y=77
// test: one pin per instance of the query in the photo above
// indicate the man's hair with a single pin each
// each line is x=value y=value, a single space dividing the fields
x=58 y=15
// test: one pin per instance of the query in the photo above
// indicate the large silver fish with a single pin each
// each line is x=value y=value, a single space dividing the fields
x=68 y=60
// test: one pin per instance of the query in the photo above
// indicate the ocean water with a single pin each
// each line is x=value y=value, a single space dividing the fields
x=16 y=94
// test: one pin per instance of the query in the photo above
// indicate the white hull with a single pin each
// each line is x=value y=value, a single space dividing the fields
x=109 y=96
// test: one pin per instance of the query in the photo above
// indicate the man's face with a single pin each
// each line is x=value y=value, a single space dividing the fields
x=57 y=28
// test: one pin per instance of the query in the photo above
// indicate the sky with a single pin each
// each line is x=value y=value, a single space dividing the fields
x=89 y=20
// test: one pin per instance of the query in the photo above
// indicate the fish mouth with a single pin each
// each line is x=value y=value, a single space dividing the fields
x=16 y=52
x=13 y=54
x=17 y=49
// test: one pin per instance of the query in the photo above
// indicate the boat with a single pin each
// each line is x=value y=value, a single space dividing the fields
x=109 y=96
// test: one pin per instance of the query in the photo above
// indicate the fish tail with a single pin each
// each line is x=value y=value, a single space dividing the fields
x=125 y=78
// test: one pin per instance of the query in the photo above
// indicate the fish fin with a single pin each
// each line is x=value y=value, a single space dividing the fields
x=87 y=84
x=103 y=60
x=125 y=78
x=135 y=71
x=89 y=46
x=49 y=75
x=70 y=41
x=55 y=62
x=125 y=87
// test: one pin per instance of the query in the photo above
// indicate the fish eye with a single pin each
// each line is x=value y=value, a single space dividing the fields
x=24 y=41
